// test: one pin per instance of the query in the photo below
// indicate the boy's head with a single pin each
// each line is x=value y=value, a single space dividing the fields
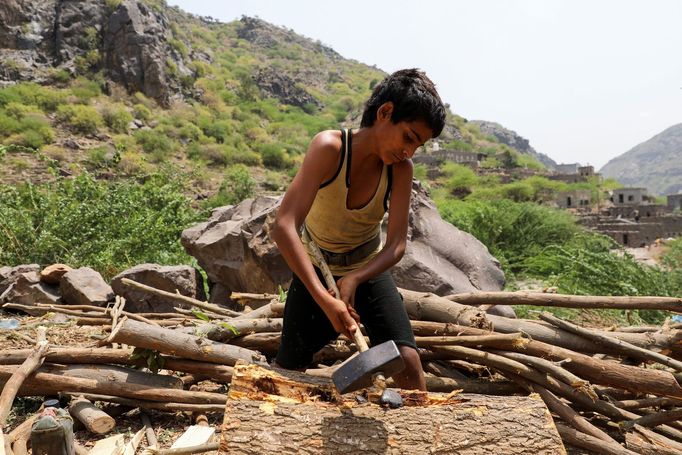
x=414 y=97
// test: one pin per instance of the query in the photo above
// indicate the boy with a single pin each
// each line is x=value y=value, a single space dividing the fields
x=347 y=181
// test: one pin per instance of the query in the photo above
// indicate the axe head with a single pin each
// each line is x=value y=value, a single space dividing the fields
x=357 y=372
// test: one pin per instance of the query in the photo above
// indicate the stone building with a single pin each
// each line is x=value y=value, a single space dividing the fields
x=675 y=202
x=567 y=168
x=578 y=199
x=631 y=196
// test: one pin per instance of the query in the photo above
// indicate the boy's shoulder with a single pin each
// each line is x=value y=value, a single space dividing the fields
x=328 y=140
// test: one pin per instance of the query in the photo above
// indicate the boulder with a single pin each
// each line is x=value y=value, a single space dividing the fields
x=27 y=289
x=234 y=248
x=8 y=275
x=181 y=278
x=85 y=286
x=52 y=274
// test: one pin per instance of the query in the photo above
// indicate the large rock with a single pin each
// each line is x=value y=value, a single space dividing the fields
x=28 y=290
x=52 y=274
x=181 y=278
x=8 y=275
x=85 y=286
x=234 y=248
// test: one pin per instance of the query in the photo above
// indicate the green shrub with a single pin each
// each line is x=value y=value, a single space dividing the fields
x=109 y=226
x=155 y=143
x=142 y=112
x=84 y=89
x=117 y=118
x=236 y=186
x=274 y=156
x=459 y=180
x=80 y=118
x=29 y=93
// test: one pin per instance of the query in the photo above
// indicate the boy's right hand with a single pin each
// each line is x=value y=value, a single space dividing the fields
x=337 y=312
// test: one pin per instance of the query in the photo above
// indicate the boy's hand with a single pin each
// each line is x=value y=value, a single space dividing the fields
x=347 y=286
x=339 y=315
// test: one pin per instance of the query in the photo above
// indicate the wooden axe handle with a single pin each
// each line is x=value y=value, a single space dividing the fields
x=329 y=278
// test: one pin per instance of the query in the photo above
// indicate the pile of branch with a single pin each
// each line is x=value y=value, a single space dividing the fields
x=614 y=391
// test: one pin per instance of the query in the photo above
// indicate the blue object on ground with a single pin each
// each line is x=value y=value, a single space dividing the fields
x=9 y=323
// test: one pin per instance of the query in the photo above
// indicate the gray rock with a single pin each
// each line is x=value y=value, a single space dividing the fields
x=441 y=258
x=182 y=278
x=8 y=275
x=28 y=290
x=234 y=248
x=85 y=286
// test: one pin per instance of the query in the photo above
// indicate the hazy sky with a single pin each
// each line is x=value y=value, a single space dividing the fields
x=582 y=80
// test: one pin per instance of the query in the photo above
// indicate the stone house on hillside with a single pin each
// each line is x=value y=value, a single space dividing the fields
x=574 y=173
x=631 y=196
x=578 y=199
x=675 y=202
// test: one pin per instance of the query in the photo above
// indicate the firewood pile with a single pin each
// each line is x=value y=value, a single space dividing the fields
x=614 y=391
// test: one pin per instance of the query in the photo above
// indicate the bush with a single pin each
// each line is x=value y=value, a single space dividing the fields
x=85 y=222
x=29 y=93
x=459 y=180
x=274 y=156
x=237 y=186
x=80 y=118
x=155 y=143
x=142 y=112
x=117 y=118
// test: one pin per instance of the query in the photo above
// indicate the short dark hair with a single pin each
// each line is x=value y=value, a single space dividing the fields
x=414 y=97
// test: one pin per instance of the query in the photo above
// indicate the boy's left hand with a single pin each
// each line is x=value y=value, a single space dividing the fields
x=347 y=286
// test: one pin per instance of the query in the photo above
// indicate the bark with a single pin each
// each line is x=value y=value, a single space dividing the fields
x=568 y=301
x=480 y=386
x=271 y=311
x=655 y=419
x=172 y=342
x=647 y=442
x=94 y=419
x=112 y=373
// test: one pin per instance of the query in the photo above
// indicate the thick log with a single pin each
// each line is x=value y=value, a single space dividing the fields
x=267 y=343
x=467 y=385
x=568 y=301
x=646 y=442
x=172 y=342
x=299 y=420
x=51 y=384
x=271 y=311
x=94 y=419
x=655 y=419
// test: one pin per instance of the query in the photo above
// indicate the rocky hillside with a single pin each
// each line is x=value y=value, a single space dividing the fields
x=655 y=164
x=122 y=87
x=513 y=140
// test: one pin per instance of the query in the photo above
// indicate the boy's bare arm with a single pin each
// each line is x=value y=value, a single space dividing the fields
x=320 y=163
x=396 y=235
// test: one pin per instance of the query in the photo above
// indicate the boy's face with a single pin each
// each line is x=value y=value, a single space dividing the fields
x=399 y=141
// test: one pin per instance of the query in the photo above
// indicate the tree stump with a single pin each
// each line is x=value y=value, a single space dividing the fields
x=286 y=412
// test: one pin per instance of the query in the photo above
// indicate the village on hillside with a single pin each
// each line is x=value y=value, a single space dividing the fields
x=631 y=216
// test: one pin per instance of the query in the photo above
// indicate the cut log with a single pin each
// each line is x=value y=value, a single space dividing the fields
x=112 y=373
x=172 y=342
x=113 y=445
x=296 y=422
x=595 y=445
x=129 y=403
x=94 y=419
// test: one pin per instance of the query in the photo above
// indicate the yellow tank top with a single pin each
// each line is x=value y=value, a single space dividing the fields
x=335 y=227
